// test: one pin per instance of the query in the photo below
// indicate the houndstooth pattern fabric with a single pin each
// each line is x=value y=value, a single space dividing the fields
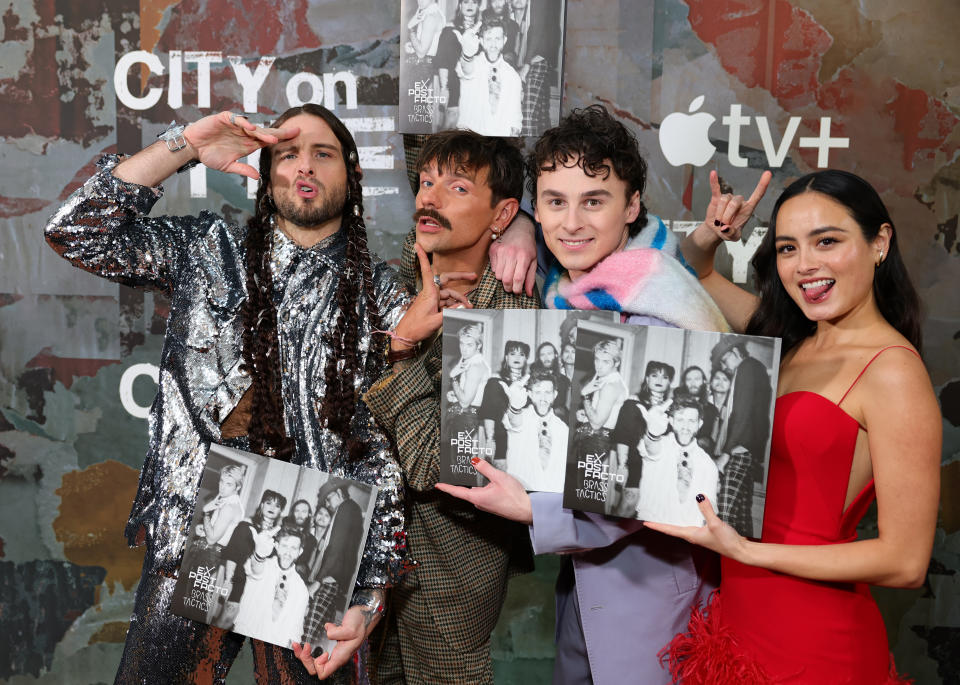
x=448 y=607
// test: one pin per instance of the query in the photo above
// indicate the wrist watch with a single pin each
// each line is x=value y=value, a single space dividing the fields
x=175 y=141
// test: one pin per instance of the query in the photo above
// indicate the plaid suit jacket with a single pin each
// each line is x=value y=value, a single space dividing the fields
x=465 y=555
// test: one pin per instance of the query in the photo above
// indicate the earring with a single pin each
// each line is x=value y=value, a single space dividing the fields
x=880 y=258
x=494 y=233
x=266 y=204
x=356 y=210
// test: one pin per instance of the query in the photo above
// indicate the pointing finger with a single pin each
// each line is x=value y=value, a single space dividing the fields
x=426 y=271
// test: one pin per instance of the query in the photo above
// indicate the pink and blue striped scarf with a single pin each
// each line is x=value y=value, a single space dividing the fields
x=643 y=279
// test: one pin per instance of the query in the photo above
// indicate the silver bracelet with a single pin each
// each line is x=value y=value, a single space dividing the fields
x=370 y=598
x=175 y=141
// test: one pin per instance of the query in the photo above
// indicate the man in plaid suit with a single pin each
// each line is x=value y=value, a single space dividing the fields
x=439 y=618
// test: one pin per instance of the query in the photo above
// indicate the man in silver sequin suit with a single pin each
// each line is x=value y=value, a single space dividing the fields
x=269 y=329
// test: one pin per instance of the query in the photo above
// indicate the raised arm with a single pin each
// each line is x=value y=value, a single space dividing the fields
x=599 y=407
x=230 y=516
x=466 y=385
x=430 y=25
x=470 y=48
x=217 y=141
x=103 y=227
x=904 y=436
x=725 y=218
x=406 y=400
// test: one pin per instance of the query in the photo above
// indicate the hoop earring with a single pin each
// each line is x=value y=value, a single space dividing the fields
x=266 y=205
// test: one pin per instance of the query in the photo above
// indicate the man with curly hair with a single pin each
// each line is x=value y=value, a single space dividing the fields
x=604 y=251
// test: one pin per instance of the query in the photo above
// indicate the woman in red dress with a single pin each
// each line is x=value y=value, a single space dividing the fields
x=856 y=419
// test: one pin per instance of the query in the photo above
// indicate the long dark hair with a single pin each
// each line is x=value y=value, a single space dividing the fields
x=682 y=388
x=778 y=315
x=458 y=19
x=508 y=348
x=268 y=496
x=537 y=365
x=261 y=354
x=645 y=395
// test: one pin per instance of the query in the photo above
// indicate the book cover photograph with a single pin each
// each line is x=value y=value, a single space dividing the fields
x=491 y=66
x=662 y=414
x=274 y=548
x=505 y=393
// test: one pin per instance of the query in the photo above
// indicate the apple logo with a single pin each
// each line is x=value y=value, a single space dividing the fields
x=684 y=139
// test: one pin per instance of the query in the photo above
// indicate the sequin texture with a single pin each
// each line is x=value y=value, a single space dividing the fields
x=199 y=263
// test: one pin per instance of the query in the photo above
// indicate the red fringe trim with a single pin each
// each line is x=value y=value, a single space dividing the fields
x=894 y=678
x=709 y=654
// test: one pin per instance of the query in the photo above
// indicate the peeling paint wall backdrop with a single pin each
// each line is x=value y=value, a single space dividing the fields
x=873 y=87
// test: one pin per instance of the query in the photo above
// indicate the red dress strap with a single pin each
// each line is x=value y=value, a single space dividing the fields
x=864 y=369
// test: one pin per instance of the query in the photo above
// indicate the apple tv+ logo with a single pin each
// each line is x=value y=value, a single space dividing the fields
x=684 y=138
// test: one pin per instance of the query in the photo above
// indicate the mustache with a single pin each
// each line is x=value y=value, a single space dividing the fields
x=432 y=214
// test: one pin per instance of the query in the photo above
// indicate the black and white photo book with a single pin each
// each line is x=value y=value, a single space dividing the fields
x=274 y=548
x=505 y=393
x=660 y=415
x=491 y=66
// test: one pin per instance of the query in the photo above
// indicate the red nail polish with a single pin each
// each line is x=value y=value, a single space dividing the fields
x=474 y=460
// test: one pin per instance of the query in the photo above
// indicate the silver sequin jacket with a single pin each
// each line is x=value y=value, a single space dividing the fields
x=198 y=262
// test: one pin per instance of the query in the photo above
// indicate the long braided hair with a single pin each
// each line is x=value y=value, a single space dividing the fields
x=261 y=353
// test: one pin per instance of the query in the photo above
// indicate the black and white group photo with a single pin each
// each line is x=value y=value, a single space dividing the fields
x=663 y=414
x=505 y=393
x=491 y=66
x=274 y=548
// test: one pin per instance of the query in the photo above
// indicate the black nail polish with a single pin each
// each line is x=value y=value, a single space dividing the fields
x=716 y=222
x=700 y=498
x=725 y=229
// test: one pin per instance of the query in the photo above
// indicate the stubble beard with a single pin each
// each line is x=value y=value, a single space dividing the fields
x=310 y=214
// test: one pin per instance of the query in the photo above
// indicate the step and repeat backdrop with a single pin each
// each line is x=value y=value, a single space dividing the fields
x=736 y=86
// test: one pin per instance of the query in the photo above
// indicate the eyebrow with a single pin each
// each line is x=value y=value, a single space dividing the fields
x=291 y=145
x=815 y=232
x=600 y=192
x=460 y=172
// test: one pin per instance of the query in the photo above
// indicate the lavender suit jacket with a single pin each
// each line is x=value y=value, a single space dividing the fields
x=635 y=586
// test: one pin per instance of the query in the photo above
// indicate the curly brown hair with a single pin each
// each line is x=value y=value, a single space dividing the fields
x=595 y=141
x=261 y=353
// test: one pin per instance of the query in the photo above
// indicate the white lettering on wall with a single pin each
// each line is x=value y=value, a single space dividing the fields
x=126 y=388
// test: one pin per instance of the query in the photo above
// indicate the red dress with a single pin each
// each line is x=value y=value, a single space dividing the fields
x=768 y=627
